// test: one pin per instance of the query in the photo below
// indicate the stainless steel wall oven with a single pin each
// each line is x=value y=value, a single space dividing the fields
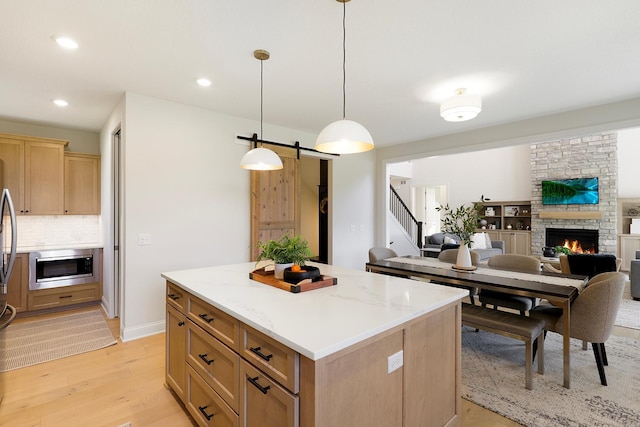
x=65 y=267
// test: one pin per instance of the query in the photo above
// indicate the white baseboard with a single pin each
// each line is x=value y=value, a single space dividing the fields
x=136 y=332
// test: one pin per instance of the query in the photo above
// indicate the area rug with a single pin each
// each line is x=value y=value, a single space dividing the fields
x=629 y=311
x=493 y=377
x=32 y=342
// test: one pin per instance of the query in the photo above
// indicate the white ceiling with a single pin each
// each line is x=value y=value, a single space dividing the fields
x=525 y=58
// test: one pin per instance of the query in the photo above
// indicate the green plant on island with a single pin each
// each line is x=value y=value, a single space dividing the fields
x=286 y=250
x=461 y=221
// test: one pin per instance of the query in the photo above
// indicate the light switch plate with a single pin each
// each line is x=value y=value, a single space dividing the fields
x=144 y=239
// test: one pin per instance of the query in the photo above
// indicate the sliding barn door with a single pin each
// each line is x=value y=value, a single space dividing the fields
x=275 y=201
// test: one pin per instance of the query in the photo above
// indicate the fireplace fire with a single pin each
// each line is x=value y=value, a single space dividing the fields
x=579 y=241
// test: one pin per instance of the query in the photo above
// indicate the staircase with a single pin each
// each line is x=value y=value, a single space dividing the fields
x=409 y=223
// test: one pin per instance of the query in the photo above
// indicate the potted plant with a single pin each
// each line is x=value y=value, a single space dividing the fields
x=463 y=222
x=285 y=252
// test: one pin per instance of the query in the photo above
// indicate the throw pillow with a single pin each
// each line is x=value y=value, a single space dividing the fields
x=450 y=240
x=478 y=241
x=487 y=240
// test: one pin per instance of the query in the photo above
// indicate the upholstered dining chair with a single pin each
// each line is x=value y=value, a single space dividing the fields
x=593 y=314
x=450 y=256
x=522 y=263
x=378 y=254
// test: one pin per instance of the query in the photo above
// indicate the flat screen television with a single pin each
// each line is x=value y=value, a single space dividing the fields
x=574 y=191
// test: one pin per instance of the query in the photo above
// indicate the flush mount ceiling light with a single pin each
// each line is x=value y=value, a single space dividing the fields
x=461 y=107
x=204 y=82
x=65 y=42
x=260 y=158
x=344 y=136
x=60 y=102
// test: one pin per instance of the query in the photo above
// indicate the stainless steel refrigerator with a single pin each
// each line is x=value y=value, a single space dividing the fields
x=8 y=240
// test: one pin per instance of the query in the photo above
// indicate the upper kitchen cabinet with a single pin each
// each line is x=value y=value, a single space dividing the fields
x=34 y=173
x=81 y=184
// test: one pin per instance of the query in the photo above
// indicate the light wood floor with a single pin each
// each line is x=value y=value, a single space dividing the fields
x=124 y=384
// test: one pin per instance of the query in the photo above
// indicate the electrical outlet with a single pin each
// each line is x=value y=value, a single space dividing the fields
x=395 y=361
x=144 y=239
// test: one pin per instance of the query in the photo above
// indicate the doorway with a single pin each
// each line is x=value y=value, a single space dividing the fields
x=116 y=216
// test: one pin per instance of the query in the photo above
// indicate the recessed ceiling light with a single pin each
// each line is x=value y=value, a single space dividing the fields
x=60 y=102
x=65 y=42
x=204 y=82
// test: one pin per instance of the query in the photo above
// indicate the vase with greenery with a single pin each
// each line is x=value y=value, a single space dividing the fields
x=463 y=222
x=285 y=252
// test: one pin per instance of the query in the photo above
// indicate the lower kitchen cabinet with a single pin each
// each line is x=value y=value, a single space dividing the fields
x=176 y=345
x=263 y=402
x=67 y=295
x=256 y=381
x=18 y=285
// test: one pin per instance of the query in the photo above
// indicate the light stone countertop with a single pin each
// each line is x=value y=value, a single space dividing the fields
x=27 y=249
x=320 y=322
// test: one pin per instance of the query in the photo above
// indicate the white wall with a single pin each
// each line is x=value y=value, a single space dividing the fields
x=629 y=163
x=183 y=186
x=498 y=174
x=80 y=141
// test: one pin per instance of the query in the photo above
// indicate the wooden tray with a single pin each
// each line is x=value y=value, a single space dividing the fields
x=268 y=278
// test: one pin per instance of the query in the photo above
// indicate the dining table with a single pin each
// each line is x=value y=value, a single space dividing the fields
x=559 y=289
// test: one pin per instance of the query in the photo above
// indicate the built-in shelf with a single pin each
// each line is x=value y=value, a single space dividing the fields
x=571 y=215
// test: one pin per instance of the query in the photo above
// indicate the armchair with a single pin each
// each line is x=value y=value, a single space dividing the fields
x=634 y=277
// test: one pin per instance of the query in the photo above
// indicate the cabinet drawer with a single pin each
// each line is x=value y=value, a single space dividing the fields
x=263 y=402
x=218 y=366
x=276 y=360
x=204 y=404
x=216 y=322
x=57 y=297
x=175 y=296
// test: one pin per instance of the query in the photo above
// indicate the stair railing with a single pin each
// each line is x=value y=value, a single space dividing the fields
x=411 y=225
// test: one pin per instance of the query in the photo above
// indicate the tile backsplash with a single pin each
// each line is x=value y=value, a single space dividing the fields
x=59 y=231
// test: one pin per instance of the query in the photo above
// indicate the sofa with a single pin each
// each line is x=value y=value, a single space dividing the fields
x=441 y=241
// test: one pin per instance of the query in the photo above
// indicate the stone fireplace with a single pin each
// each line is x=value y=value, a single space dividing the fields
x=587 y=156
x=578 y=240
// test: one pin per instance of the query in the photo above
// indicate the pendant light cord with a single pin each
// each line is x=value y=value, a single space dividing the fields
x=261 y=97
x=344 y=60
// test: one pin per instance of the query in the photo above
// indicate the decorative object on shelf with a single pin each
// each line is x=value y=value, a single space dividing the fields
x=260 y=158
x=511 y=211
x=462 y=222
x=461 y=107
x=632 y=212
x=483 y=224
x=285 y=252
x=509 y=226
x=344 y=136
x=489 y=212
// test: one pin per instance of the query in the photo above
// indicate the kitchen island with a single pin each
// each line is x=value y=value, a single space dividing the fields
x=372 y=350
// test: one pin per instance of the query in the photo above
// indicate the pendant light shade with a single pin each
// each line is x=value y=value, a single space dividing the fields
x=344 y=136
x=461 y=107
x=260 y=158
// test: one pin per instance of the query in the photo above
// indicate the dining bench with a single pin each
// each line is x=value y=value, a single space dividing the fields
x=511 y=325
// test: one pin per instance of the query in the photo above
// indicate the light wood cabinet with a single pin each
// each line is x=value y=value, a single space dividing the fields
x=18 y=285
x=627 y=247
x=63 y=296
x=34 y=173
x=510 y=215
x=237 y=375
x=516 y=242
x=176 y=344
x=81 y=184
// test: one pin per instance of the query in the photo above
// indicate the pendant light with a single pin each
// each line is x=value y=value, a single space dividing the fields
x=260 y=158
x=344 y=136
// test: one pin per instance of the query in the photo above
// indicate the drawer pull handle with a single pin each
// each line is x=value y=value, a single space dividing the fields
x=254 y=381
x=205 y=318
x=180 y=323
x=66 y=296
x=207 y=416
x=257 y=351
x=204 y=357
x=174 y=297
